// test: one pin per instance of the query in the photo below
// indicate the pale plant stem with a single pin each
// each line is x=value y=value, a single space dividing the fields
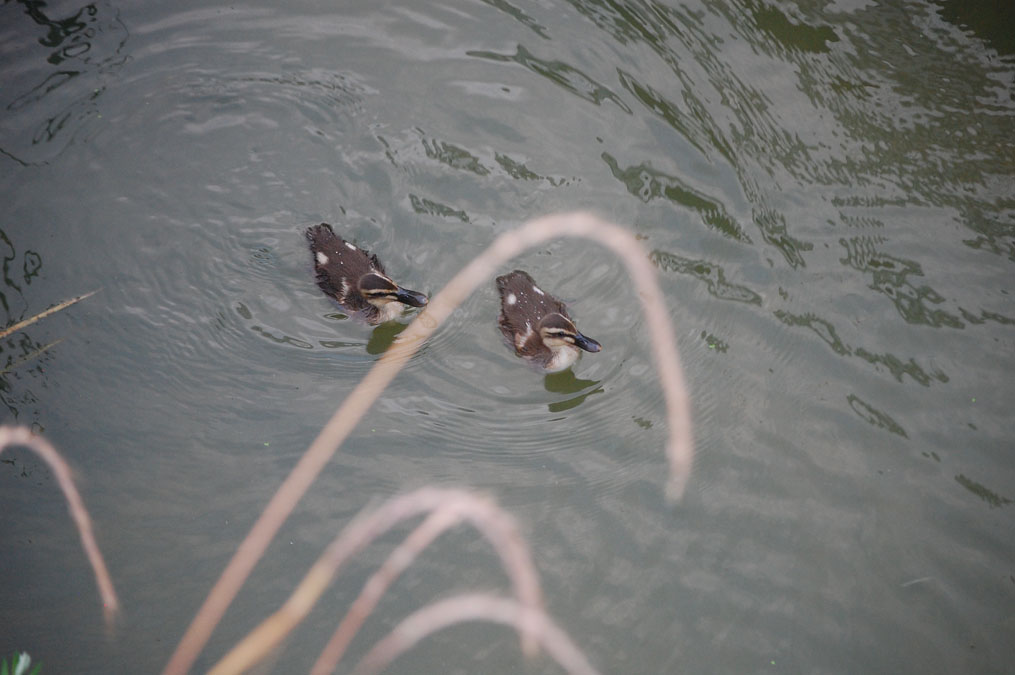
x=492 y=522
x=475 y=607
x=375 y=587
x=43 y=314
x=24 y=436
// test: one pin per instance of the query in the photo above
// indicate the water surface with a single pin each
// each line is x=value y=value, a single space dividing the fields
x=827 y=191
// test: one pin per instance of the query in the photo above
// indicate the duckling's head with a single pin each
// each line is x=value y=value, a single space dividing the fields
x=379 y=290
x=557 y=331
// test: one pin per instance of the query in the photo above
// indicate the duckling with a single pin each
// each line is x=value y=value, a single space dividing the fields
x=356 y=279
x=537 y=324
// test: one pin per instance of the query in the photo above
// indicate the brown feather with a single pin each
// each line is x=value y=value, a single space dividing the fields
x=524 y=309
x=339 y=266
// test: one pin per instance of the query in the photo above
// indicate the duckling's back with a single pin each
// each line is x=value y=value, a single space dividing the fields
x=339 y=266
x=523 y=303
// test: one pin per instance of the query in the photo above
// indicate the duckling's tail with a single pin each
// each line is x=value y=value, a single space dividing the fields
x=317 y=235
x=504 y=280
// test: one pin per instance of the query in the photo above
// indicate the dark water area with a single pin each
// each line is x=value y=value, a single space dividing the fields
x=827 y=192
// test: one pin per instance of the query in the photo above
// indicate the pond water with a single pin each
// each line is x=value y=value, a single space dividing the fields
x=827 y=190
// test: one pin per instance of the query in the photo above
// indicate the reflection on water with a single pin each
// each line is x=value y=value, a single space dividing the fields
x=827 y=192
x=560 y=73
x=428 y=207
x=380 y=339
x=991 y=21
x=875 y=417
x=566 y=382
x=709 y=273
x=887 y=361
x=414 y=150
x=647 y=183
x=383 y=336
x=11 y=295
x=793 y=35
x=23 y=358
x=84 y=51
x=989 y=496
x=892 y=276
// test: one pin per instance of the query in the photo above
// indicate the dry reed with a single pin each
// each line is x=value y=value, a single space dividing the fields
x=446 y=508
x=43 y=314
x=475 y=607
x=24 y=436
x=679 y=448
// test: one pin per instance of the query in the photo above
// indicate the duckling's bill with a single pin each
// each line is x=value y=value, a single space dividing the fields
x=586 y=343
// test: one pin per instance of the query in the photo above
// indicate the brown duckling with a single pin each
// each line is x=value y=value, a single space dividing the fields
x=356 y=279
x=537 y=325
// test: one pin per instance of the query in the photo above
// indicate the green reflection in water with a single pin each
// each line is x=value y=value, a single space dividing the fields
x=428 y=207
x=991 y=20
x=383 y=336
x=681 y=122
x=897 y=367
x=520 y=16
x=647 y=183
x=992 y=498
x=986 y=316
x=403 y=152
x=826 y=331
x=642 y=422
x=519 y=171
x=890 y=276
x=715 y=343
x=454 y=156
x=711 y=273
x=773 y=230
x=800 y=37
x=244 y=311
x=560 y=73
x=875 y=417
x=281 y=339
x=566 y=382
x=745 y=129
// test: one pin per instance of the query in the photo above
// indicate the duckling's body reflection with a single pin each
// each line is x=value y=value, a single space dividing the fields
x=567 y=382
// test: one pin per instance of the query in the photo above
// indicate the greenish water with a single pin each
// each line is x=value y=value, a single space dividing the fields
x=828 y=194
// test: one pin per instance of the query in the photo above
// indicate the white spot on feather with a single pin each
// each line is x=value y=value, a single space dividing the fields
x=352 y=246
x=512 y=298
x=322 y=259
x=537 y=290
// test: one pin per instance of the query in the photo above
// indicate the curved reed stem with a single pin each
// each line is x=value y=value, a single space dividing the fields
x=474 y=607
x=446 y=508
x=679 y=449
x=76 y=506
x=378 y=584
